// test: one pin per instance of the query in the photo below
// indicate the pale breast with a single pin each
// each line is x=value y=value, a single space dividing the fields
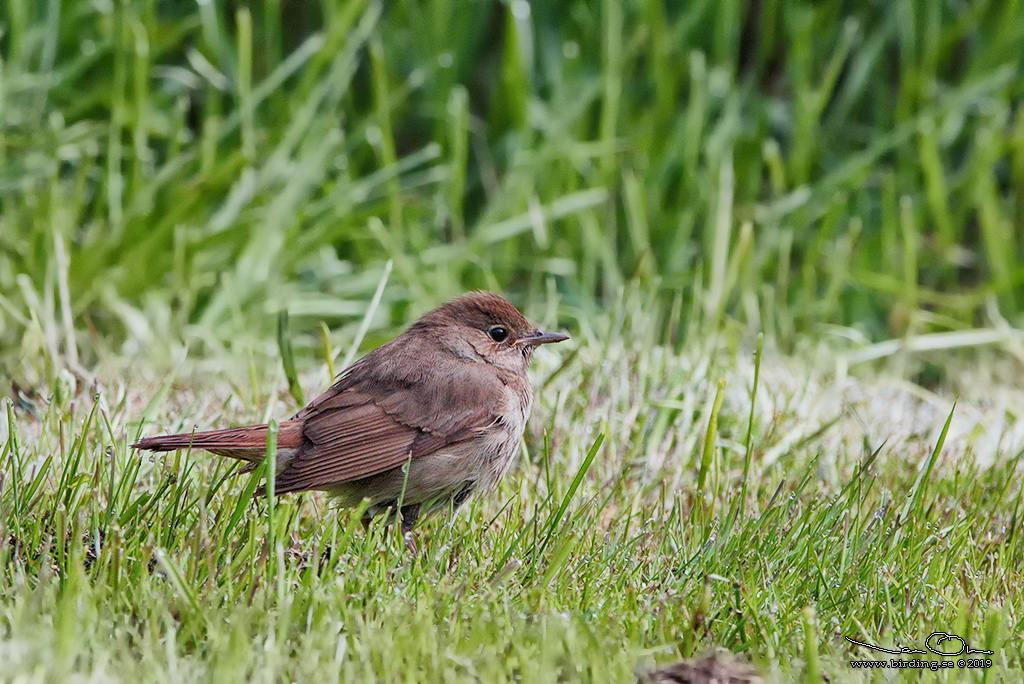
x=505 y=437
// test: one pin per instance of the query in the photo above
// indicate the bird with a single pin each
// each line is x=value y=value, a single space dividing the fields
x=713 y=668
x=419 y=424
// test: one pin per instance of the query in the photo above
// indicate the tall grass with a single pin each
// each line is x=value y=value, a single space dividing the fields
x=184 y=170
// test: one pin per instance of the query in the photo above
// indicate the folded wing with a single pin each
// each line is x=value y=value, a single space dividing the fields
x=384 y=416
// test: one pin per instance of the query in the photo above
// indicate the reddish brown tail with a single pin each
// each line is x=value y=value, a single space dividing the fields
x=246 y=443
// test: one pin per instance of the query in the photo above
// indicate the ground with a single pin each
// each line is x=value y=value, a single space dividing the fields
x=862 y=514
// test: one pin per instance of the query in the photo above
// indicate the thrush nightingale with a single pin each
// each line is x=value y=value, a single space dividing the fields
x=425 y=420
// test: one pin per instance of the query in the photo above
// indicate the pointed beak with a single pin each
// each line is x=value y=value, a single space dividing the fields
x=541 y=337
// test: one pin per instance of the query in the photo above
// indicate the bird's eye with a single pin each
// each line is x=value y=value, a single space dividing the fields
x=498 y=333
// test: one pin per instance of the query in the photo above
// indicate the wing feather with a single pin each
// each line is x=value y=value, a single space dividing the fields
x=380 y=414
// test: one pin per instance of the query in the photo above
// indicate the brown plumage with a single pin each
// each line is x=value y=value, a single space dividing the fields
x=713 y=668
x=449 y=397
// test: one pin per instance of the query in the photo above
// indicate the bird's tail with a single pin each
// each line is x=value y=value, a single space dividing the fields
x=245 y=443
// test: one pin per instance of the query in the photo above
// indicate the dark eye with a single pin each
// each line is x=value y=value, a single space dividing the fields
x=498 y=333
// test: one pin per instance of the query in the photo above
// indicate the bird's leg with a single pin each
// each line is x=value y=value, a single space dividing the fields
x=410 y=514
x=463 y=495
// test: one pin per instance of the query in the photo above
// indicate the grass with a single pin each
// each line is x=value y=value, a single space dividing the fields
x=598 y=557
x=206 y=210
x=803 y=169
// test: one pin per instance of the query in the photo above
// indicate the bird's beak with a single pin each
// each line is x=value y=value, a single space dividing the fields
x=541 y=337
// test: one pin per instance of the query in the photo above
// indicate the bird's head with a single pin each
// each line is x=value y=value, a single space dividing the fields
x=487 y=325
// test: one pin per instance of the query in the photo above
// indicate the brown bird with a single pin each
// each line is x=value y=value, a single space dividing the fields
x=429 y=418
x=713 y=668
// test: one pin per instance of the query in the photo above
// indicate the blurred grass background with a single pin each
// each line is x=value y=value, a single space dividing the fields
x=186 y=170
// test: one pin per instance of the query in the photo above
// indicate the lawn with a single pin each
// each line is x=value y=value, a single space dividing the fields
x=787 y=241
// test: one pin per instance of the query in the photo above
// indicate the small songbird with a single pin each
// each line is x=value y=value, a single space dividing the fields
x=429 y=418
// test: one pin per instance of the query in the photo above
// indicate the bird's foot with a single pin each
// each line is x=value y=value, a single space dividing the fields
x=410 y=542
x=410 y=514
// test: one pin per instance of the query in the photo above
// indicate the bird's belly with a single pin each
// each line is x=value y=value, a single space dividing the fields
x=450 y=473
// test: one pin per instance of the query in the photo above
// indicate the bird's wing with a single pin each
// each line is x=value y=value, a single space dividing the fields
x=384 y=417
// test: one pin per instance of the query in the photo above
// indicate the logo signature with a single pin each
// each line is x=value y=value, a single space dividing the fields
x=939 y=643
